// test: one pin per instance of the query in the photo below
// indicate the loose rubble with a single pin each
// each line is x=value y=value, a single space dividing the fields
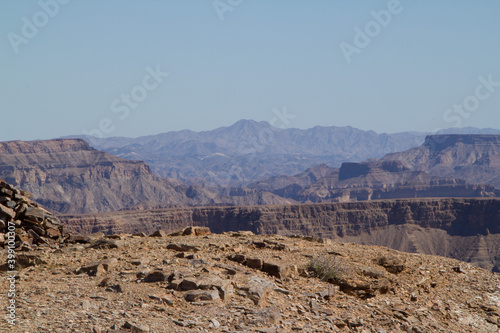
x=145 y=285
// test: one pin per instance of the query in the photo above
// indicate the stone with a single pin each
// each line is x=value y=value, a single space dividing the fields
x=6 y=211
x=391 y=263
x=86 y=305
x=372 y=272
x=202 y=295
x=269 y=315
x=183 y=247
x=197 y=263
x=162 y=299
x=24 y=246
x=6 y=191
x=254 y=263
x=224 y=287
x=34 y=214
x=39 y=230
x=104 y=282
x=104 y=243
x=21 y=209
x=98 y=268
x=139 y=262
x=83 y=239
x=259 y=245
x=156 y=276
x=276 y=270
x=53 y=233
x=115 y=288
x=27 y=260
x=32 y=234
x=159 y=233
x=242 y=233
x=115 y=236
x=196 y=231
x=214 y=324
x=257 y=289
x=11 y=204
x=136 y=328
x=237 y=257
x=188 y=284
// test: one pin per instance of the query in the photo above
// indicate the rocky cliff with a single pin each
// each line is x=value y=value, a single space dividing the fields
x=474 y=158
x=444 y=166
x=465 y=229
x=69 y=176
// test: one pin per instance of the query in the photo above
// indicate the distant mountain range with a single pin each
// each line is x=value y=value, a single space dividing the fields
x=249 y=151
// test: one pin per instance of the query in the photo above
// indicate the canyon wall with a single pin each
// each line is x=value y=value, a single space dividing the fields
x=461 y=228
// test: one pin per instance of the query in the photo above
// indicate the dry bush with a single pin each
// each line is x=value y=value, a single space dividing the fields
x=327 y=268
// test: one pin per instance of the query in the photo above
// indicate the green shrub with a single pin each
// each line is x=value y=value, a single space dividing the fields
x=327 y=268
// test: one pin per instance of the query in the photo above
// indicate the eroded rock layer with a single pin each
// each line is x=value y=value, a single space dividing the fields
x=465 y=229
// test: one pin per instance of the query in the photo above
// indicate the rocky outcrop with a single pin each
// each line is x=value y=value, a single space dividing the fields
x=388 y=180
x=24 y=224
x=466 y=229
x=474 y=158
x=444 y=166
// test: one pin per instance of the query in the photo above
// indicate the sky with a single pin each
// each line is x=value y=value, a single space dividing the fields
x=142 y=67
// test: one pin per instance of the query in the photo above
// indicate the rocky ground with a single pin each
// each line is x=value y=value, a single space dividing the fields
x=196 y=281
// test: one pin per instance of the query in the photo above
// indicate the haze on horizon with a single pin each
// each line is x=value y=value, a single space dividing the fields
x=134 y=68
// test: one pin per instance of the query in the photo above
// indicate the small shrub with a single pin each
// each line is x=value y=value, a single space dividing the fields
x=326 y=268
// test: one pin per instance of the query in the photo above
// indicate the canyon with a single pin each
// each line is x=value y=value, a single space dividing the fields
x=462 y=228
x=437 y=198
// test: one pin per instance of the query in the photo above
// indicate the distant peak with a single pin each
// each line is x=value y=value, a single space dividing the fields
x=250 y=123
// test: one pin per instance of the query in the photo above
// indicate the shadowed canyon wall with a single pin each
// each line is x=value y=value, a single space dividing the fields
x=465 y=229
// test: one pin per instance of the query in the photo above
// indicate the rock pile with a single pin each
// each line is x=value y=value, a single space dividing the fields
x=32 y=225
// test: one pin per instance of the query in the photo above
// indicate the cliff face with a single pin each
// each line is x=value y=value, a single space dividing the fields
x=465 y=229
x=69 y=176
x=444 y=166
x=474 y=158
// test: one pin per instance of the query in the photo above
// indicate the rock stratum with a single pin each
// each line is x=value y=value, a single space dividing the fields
x=464 y=229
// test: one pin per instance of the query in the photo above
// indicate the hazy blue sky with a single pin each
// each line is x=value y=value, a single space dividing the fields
x=85 y=65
